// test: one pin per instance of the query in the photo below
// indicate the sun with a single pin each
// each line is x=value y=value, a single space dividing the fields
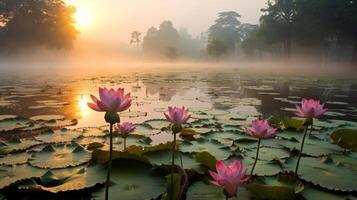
x=82 y=18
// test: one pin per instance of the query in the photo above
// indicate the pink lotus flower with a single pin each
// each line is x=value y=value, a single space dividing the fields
x=230 y=176
x=110 y=100
x=261 y=129
x=310 y=108
x=177 y=115
x=125 y=128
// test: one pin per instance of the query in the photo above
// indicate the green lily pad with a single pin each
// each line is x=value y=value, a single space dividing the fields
x=14 y=124
x=312 y=193
x=262 y=168
x=294 y=124
x=18 y=145
x=325 y=173
x=118 y=142
x=68 y=179
x=157 y=123
x=161 y=138
x=163 y=157
x=348 y=160
x=313 y=145
x=3 y=117
x=94 y=132
x=133 y=114
x=133 y=180
x=56 y=136
x=204 y=191
x=143 y=129
x=60 y=156
x=206 y=159
x=60 y=123
x=282 y=187
x=218 y=150
x=16 y=173
x=345 y=138
x=267 y=154
x=226 y=138
x=14 y=159
x=47 y=117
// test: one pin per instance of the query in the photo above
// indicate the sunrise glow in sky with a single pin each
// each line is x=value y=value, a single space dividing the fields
x=107 y=19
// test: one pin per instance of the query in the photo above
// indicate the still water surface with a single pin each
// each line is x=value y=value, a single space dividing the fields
x=224 y=92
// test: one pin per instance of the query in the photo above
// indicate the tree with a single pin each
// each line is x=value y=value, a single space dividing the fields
x=157 y=41
x=225 y=30
x=171 y=53
x=36 y=23
x=135 y=39
x=216 y=48
x=278 y=20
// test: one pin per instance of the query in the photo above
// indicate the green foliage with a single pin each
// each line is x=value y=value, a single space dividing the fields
x=283 y=187
x=316 y=26
x=217 y=48
x=36 y=23
x=206 y=159
x=325 y=172
x=345 y=138
x=293 y=124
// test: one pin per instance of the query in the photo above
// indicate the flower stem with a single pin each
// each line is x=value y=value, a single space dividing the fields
x=301 y=148
x=172 y=167
x=124 y=143
x=110 y=161
x=256 y=157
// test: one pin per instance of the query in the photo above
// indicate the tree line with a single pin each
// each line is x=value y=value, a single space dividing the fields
x=33 y=23
x=326 y=29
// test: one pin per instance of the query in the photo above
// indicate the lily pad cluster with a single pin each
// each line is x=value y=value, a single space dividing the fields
x=64 y=160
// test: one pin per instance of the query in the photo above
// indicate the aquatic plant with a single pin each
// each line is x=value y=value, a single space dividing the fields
x=177 y=116
x=111 y=102
x=309 y=109
x=124 y=129
x=260 y=129
x=230 y=177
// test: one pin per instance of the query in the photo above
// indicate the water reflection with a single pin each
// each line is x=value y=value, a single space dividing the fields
x=153 y=92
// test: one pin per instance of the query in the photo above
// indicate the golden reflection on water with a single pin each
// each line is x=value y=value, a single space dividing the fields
x=82 y=107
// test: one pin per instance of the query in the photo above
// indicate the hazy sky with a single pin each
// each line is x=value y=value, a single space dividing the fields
x=110 y=19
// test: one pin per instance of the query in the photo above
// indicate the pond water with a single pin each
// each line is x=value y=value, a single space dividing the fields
x=228 y=91
x=221 y=101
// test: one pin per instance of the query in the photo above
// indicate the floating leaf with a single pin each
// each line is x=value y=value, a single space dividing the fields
x=345 y=138
x=325 y=173
x=60 y=156
x=69 y=179
x=13 y=174
x=18 y=145
x=311 y=193
x=56 y=136
x=293 y=124
x=158 y=123
x=3 y=117
x=133 y=114
x=14 y=124
x=203 y=191
x=47 y=117
x=14 y=159
x=206 y=159
x=283 y=187
x=218 y=150
x=133 y=180
x=164 y=157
